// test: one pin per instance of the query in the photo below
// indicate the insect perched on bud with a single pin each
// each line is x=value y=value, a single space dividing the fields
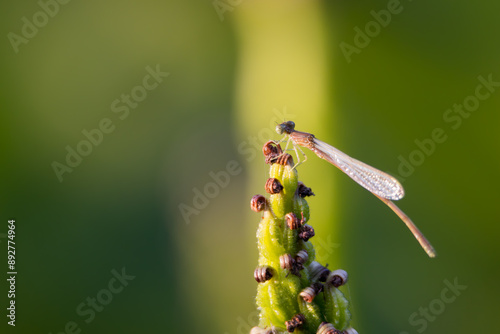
x=262 y=274
x=380 y=184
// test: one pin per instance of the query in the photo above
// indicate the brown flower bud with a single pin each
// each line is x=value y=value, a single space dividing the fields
x=259 y=203
x=310 y=292
x=292 y=221
x=304 y=191
x=318 y=272
x=302 y=257
x=258 y=330
x=297 y=321
x=287 y=261
x=306 y=232
x=273 y=186
x=337 y=278
x=262 y=274
x=327 y=328
x=271 y=151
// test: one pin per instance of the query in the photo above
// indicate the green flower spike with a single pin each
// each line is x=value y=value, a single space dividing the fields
x=295 y=293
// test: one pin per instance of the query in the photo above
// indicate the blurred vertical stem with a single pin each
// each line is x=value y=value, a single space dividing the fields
x=283 y=63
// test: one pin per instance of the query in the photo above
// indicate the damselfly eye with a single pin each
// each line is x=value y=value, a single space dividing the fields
x=290 y=125
x=286 y=127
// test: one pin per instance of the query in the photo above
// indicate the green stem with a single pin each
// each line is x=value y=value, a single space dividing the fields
x=284 y=273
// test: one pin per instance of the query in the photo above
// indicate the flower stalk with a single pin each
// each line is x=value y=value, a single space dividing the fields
x=295 y=293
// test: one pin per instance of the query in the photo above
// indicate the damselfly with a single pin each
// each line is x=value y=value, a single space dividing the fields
x=381 y=184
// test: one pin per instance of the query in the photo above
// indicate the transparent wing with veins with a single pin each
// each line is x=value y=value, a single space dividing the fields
x=372 y=179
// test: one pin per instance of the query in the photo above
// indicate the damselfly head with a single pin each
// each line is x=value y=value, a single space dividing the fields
x=285 y=127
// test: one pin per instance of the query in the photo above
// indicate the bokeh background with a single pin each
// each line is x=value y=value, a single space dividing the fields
x=235 y=69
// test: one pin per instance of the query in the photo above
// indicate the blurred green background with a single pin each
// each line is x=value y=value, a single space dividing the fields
x=235 y=68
